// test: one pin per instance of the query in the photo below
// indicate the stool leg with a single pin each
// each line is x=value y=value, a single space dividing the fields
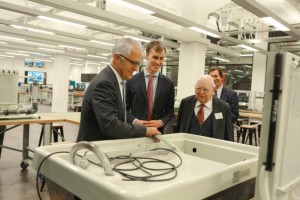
x=255 y=138
x=41 y=136
x=244 y=135
x=62 y=134
x=2 y=128
x=238 y=134
x=250 y=136
x=55 y=134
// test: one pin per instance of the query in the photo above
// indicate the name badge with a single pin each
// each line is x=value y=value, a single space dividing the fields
x=219 y=115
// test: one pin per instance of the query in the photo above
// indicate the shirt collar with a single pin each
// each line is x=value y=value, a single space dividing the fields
x=148 y=74
x=116 y=74
x=220 y=90
x=207 y=104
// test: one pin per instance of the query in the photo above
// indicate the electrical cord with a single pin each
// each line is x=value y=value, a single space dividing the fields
x=39 y=169
x=140 y=163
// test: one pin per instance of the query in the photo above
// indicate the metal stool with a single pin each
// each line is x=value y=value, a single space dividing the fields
x=57 y=129
x=237 y=124
x=258 y=125
x=248 y=131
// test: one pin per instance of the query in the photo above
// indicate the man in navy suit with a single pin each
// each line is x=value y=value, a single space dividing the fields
x=225 y=93
x=216 y=118
x=161 y=109
x=103 y=112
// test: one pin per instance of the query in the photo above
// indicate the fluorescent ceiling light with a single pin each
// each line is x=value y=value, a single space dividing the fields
x=94 y=56
x=12 y=38
x=17 y=54
x=247 y=47
x=7 y=56
x=248 y=66
x=136 y=38
x=76 y=59
x=105 y=62
x=43 y=60
x=204 y=32
x=32 y=29
x=61 y=21
x=71 y=47
x=275 y=23
x=237 y=70
x=246 y=55
x=54 y=50
x=132 y=6
x=76 y=64
x=3 y=42
x=221 y=59
x=93 y=63
x=100 y=42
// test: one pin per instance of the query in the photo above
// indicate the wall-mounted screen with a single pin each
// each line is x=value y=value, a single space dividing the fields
x=39 y=64
x=32 y=76
x=29 y=63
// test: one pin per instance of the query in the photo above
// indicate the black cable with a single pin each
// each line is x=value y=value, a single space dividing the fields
x=39 y=168
x=139 y=164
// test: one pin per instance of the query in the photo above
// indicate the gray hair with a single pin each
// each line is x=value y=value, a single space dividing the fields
x=209 y=79
x=124 y=45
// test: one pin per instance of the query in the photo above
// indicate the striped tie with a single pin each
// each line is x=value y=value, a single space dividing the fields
x=200 y=114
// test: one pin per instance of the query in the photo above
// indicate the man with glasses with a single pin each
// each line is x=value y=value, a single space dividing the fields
x=203 y=114
x=150 y=94
x=103 y=115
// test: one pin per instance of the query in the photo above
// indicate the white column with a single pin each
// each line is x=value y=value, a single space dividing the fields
x=61 y=84
x=191 y=67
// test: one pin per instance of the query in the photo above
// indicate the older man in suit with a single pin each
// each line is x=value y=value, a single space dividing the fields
x=150 y=94
x=103 y=114
x=203 y=114
x=225 y=93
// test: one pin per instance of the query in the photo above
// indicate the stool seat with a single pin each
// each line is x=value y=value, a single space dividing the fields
x=57 y=129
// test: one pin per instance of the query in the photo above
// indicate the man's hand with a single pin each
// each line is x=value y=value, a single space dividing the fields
x=153 y=123
x=151 y=131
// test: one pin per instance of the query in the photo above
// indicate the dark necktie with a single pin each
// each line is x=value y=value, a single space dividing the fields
x=216 y=93
x=150 y=96
x=200 y=114
x=123 y=83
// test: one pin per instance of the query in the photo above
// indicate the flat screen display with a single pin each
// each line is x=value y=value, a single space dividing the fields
x=32 y=76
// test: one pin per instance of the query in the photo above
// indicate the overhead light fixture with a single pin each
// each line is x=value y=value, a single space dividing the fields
x=7 y=56
x=134 y=7
x=94 y=56
x=100 y=42
x=71 y=47
x=17 y=54
x=32 y=29
x=275 y=23
x=54 y=50
x=247 y=47
x=136 y=38
x=3 y=42
x=61 y=21
x=246 y=55
x=43 y=60
x=237 y=70
x=204 y=31
x=92 y=63
x=76 y=64
x=221 y=59
x=76 y=59
x=11 y=38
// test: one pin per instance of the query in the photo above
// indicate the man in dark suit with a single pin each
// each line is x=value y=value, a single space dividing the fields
x=159 y=109
x=103 y=113
x=215 y=120
x=225 y=93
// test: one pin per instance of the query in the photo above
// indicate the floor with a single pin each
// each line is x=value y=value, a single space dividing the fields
x=16 y=183
x=19 y=184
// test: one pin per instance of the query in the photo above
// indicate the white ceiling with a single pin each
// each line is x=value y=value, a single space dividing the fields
x=107 y=22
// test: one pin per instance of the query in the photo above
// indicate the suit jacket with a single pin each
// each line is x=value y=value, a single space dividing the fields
x=222 y=127
x=102 y=113
x=231 y=98
x=136 y=98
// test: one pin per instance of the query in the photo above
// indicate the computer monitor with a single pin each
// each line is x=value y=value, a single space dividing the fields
x=32 y=76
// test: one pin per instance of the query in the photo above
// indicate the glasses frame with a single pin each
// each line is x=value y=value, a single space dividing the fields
x=137 y=64
x=201 y=89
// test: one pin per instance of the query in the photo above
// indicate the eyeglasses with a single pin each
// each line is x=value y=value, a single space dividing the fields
x=204 y=90
x=132 y=62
